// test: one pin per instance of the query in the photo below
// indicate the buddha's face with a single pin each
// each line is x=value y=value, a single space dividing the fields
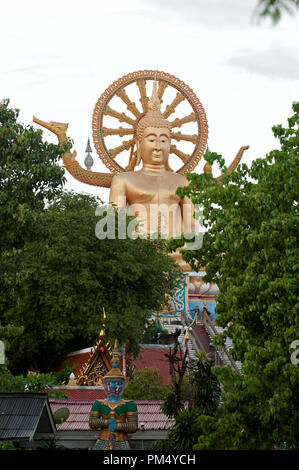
x=154 y=146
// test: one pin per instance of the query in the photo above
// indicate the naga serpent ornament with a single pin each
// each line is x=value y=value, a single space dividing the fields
x=118 y=92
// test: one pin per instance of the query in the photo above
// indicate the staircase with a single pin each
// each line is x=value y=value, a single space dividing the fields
x=200 y=339
x=224 y=354
x=192 y=350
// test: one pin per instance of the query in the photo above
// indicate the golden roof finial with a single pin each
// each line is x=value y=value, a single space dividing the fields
x=102 y=332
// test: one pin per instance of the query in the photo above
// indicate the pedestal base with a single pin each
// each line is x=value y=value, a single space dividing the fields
x=177 y=256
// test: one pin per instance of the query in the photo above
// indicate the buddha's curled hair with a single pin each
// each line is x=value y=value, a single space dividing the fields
x=153 y=117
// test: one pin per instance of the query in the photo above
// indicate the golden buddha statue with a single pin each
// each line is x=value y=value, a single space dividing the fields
x=150 y=193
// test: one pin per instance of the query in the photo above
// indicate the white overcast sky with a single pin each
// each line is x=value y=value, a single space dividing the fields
x=58 y=57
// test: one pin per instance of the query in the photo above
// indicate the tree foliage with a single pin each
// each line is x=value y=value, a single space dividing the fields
x=155 y=334
x=10 y=383
x=178 y=366
x=146 y=384
x=31 y=382
x=64 y=280
x=9 y=335
x=205 y=390
x=7 y=445
x=184 y=434
x=200 y=395
x=29 y=177
x=251 y=252
x=56 y=276
x=274 y=9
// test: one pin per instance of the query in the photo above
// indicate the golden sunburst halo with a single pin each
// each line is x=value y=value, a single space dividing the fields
x=122 y=124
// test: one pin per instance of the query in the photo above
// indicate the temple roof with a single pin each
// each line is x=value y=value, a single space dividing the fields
x=149 y=413
x=90 y=364
x=149 y=356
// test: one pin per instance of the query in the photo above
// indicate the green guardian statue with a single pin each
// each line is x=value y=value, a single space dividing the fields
x=114 y=417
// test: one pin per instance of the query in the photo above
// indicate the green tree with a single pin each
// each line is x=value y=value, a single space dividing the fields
x=146 y=384
x=250 y=250
x=10 y=383
x=29 y=177
x=200 y=391
x=205 y=389
x=9 y=335
x=178 y=366
x=68 y=277
x=155 y=334
x=7 y=445
x=184 y=434
x=274 y=9
x=32 y=382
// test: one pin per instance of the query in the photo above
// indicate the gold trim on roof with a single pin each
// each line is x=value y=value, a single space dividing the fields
x=100 y=369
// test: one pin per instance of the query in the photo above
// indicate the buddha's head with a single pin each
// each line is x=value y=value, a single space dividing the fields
x=153 y=134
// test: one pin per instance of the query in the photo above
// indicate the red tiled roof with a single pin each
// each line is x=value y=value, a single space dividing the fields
x=83 y=394
x=149 y=413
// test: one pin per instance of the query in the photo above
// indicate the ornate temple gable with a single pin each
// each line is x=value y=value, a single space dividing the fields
x=98 y=363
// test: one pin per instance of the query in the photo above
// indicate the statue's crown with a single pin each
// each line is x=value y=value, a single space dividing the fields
x=153 y=117
x=115 y=372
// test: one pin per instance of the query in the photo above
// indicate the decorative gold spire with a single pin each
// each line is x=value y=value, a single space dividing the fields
x=115 y=372
x=102 y=332
x=98 y=362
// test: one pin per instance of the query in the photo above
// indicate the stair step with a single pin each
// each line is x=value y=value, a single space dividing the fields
x=228 y=343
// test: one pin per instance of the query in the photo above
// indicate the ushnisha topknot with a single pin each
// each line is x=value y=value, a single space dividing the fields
x=153 y=117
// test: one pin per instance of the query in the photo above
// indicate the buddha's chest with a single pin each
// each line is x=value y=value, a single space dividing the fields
x=152 y=190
